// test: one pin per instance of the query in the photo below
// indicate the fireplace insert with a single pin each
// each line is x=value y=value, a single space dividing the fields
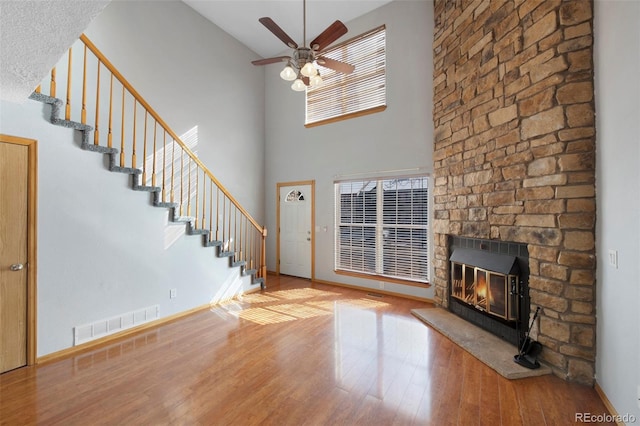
x=489 y=286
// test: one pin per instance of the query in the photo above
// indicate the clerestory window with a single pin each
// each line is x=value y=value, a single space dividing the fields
x=343 y=96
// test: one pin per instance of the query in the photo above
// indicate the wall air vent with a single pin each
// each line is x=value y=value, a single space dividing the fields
x=97 y=329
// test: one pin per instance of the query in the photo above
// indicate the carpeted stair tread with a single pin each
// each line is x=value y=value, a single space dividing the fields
x=226 y=254
x=98 y=148
x=197 y=231
x=183 y=219
x=127 y=170
x=146 y=188
x=166 y=204
x=212 y=243
x=238 y=263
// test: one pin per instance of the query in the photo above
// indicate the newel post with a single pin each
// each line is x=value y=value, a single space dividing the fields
x=263 y=256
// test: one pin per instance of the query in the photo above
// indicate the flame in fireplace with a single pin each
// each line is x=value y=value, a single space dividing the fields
x=481 y=289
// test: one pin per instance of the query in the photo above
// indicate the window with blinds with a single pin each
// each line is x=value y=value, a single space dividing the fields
x=342 y=96
x=382 y=228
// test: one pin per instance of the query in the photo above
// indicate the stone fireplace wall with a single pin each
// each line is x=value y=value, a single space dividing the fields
x=515 y=154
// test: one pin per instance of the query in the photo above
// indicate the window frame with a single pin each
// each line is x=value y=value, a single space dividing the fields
x=381 y=225
x=351 y=85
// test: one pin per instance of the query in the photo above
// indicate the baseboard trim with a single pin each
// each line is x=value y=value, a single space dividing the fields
x=374 y=290
x=616 y=417
x=103 y=341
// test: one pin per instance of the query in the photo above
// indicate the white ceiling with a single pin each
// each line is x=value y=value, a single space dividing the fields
x=239 y=18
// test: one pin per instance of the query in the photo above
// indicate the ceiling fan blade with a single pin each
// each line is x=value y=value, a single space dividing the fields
x=328 y=36
x=339 y=66
x=278 y=32
x=268 y=61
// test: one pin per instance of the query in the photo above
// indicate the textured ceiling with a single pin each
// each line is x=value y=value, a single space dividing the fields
x=33 y=36
x=240 y=18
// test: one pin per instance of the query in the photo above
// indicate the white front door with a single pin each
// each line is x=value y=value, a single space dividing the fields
x=295 y=230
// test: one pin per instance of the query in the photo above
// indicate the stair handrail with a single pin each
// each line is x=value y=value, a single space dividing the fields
x=164 y=125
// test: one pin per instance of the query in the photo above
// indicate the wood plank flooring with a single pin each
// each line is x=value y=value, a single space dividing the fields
x=296 y=354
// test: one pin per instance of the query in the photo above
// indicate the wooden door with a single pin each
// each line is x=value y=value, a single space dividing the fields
x=295 y=230
x=14 y=173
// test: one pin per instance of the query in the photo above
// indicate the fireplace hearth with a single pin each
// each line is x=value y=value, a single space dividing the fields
x=489 y=286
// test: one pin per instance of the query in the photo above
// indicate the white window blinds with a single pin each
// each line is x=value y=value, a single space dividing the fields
x=382 y=227
x=346 y=95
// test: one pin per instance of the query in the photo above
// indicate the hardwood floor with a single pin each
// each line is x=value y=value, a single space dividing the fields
x=298 y=353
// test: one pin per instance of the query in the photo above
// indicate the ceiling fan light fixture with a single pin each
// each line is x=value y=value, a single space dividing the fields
x=308 y=70
x=288 y=74
x=316 y=80
x=301 y=65
x=298 y=85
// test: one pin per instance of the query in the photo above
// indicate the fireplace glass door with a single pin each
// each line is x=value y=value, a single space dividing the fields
x=487 y=291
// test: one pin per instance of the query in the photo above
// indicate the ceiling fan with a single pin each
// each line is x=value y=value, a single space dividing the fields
x=300 y=65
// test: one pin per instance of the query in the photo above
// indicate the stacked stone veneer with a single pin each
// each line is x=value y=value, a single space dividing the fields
x=515 y=151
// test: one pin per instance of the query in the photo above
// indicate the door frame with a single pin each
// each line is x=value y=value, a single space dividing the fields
x=279 y=185
x=32 y=200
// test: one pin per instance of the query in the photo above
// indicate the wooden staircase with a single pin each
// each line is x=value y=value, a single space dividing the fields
x=169 y=170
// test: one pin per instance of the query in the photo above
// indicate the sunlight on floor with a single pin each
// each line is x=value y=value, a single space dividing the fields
x=263 y=316
x=278 y=307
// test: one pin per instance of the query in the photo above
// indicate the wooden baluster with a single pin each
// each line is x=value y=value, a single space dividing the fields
x=249 y=249
x=181 y=180
x=197 y=193
x=173 y=162
x=135 y=122
x=144 y=150
x=242 y=236
x=67 y=110
x=52 y=85
x=164 y=165
x=210 y=209
x=110 y=134
x=96 y=132
x=224 y=214
x=204 y=201
x=235 y=233
x=39 y=89
x=236 y=236
x=218 y=213
x=153 y=166
x=83 y=114
x=122 y=162
x=189 y=188
x=229 y=234
x=247 y=246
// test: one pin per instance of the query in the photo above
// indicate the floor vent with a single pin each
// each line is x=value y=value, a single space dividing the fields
x=95 y=330
x=374 y=295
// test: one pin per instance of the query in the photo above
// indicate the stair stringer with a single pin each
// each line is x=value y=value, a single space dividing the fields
x=57 y=108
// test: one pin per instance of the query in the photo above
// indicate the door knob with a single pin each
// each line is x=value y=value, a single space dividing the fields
x=308 y=239
x=17 y=267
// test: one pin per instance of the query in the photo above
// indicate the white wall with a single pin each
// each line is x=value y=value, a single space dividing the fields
x=617 y=67
x=101 y=246
x=396 y=139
